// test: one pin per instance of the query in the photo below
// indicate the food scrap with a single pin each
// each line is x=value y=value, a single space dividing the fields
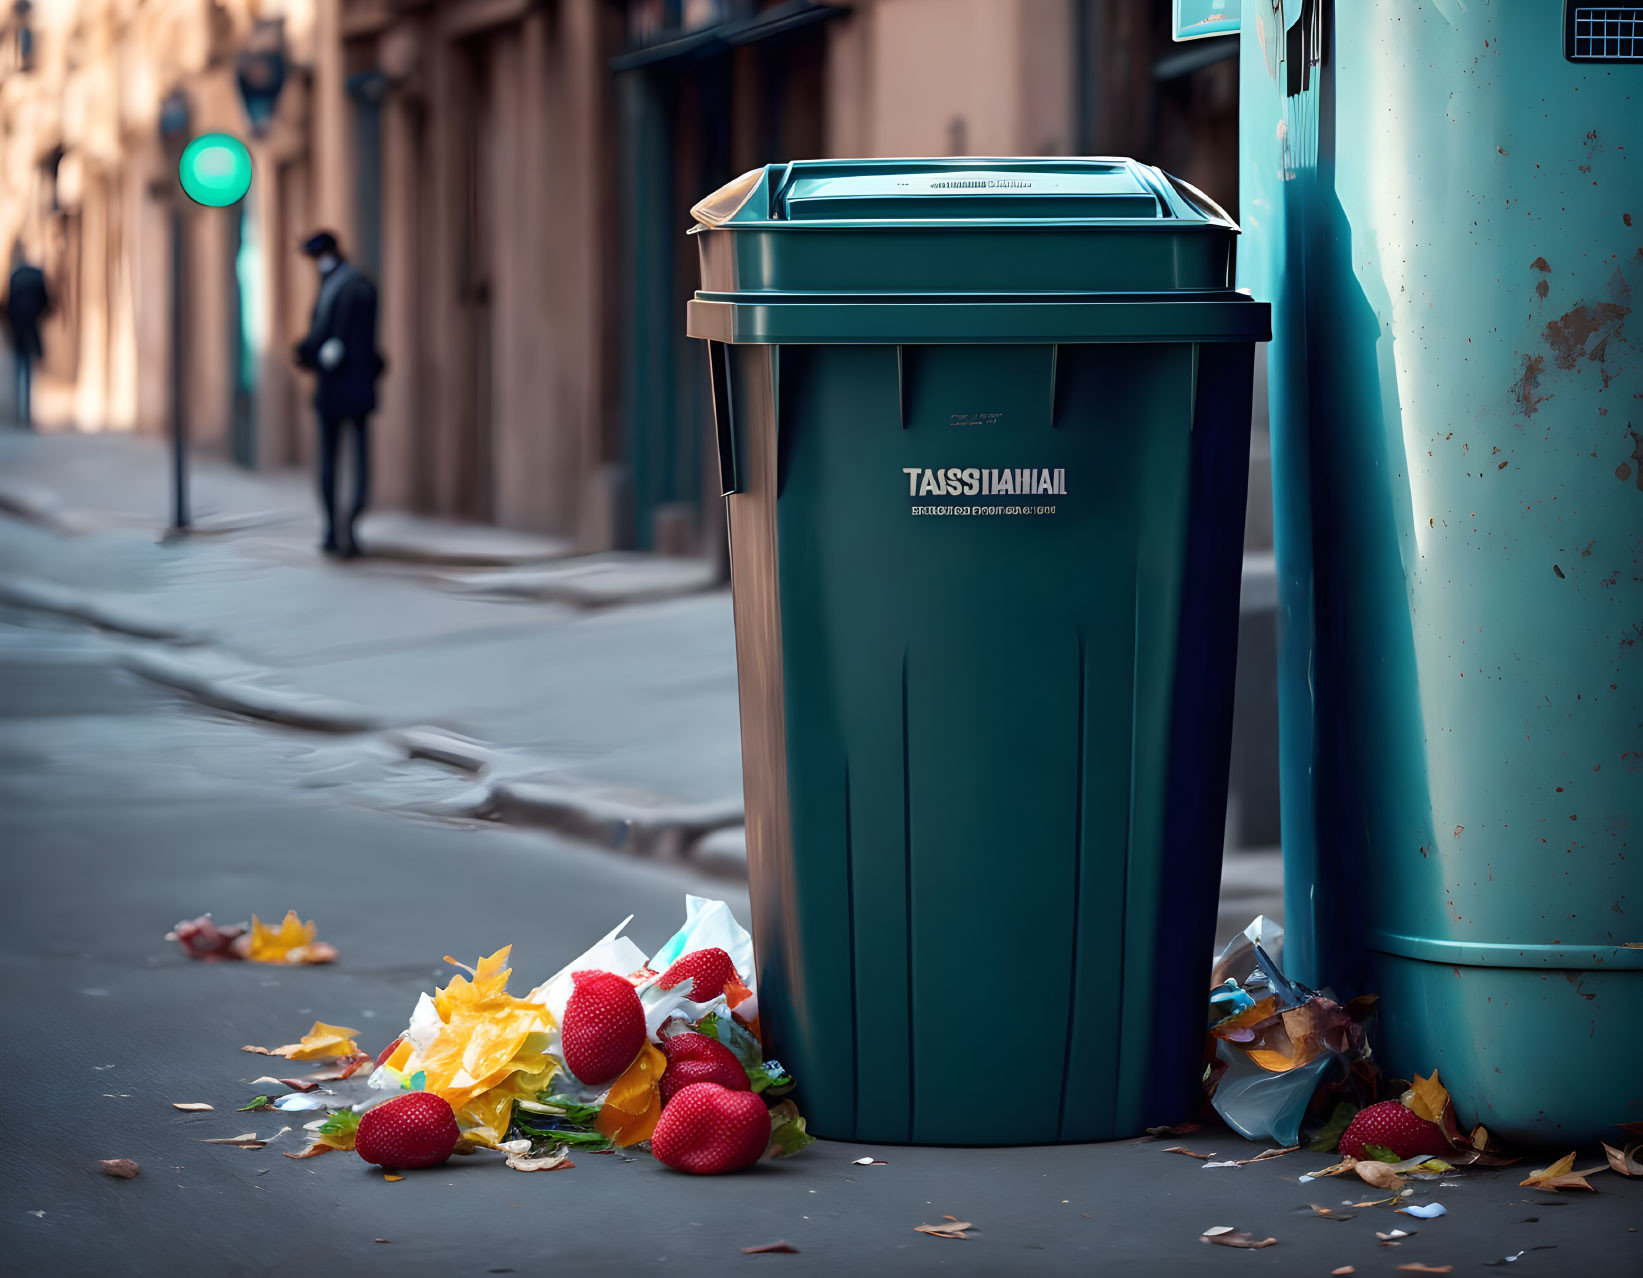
x=617 y=1050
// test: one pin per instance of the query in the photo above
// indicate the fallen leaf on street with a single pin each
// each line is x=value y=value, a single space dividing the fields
x=1178 y=1149
x=191 y=1105
x=1229 y=1163
x=1561 y=1175
x=123 y=1168
x=247 y=1140
x=291 y=942
x=954 y=1228
x=1395 y=1236
x=550 y=1162
x=312 y=1151
x=1329 y=1213
x=1266 y=1154
x=1180 y=1129
x=1344 y=1269
x=1227 y=1236
x=391 y=1176
x=1625 y=1162
x=260 y=1051
x=868 y=1162
x=785 y=1247
x=1636 y=1129
x=1416 y=1268
x=295 y=1084
x=257 y=1105
x=203 y=939
x=323 y=1042
x=1380 y=1175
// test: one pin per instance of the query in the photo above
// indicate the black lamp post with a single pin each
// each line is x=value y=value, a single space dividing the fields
x=174 y=119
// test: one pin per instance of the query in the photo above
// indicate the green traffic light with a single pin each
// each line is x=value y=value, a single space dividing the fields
x=215 y=169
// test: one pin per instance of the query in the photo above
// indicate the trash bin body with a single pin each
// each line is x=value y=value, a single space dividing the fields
x=1443 y=203
x=985 y=462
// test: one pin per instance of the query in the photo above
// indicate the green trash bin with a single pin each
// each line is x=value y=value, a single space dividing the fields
x=983 y=426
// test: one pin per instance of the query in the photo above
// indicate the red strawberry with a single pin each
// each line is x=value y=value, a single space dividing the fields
x=389 y=1050
x=604 y=1026
x=696 y=1058
x=707 y=970
x=707 y=1129
x=417 y=1129
x=1393 y=1125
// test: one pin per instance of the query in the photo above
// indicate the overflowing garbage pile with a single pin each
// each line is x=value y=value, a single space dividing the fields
x=616 y=1050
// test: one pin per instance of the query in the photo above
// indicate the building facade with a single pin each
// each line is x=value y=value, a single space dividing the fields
x=517 y=174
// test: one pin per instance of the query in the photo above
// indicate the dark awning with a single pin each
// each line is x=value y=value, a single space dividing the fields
x=778 y=20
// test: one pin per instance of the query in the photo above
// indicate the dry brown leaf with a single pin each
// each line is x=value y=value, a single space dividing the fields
x=1178 y=1149
x=1427 y=1099
x=1266 y=1154
x=1624 y=1161
x=1329 y=1213
x=259 y=1051
x=247 y=1140
x=1380 y=1175
x=1344 y=1269
x=784 y=1247
x=549 y=1162
x=312 y=1151
x=1227 y=1236
x=122 y=1168
x=1417 y=1268
x=191 y=1105
x=954 y=1228
x=1561 y=1175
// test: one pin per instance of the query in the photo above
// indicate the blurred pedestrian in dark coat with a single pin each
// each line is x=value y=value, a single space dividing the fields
x=27 y=303
x=341 y=348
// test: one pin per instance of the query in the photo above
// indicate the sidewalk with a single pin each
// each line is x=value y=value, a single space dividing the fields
x=483 y=649
x=592 y=695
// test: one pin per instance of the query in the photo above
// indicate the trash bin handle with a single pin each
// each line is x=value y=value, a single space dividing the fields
x=718 y=364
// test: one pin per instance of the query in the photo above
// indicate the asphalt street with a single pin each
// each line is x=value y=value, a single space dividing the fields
x=123 y=810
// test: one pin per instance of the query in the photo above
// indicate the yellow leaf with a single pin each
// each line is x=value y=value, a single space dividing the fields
x=323 y=1042
x=291 y=942
x=1427 y=1099
x=1560 y=1175
x=634 y=1102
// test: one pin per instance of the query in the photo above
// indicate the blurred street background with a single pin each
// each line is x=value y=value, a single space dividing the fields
x=545 y=584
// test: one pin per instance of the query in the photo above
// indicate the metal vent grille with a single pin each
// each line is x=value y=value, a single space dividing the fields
x=1606 y=34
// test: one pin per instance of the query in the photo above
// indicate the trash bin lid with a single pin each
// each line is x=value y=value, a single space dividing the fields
x=875 y=192
x=967 y=250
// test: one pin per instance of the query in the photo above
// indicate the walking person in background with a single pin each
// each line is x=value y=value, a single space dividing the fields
x=341 y=348
x=27 y=303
